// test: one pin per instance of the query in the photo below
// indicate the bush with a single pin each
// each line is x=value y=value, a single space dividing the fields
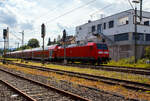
x=147 y=53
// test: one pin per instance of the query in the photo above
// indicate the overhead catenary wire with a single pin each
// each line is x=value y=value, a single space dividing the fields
x=130 y=4
x=102 y=8
x=52 y=10
x=66 y=13
x=16 y=36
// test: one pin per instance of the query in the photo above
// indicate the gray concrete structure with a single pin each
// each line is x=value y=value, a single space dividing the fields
x=118 y=30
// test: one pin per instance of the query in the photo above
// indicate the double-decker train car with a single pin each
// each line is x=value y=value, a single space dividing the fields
x=91 y=52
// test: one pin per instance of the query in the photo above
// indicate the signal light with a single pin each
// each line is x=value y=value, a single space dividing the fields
x=43 y=30
x=4 y=33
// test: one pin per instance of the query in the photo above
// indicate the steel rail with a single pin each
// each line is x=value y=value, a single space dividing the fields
x=18 y=91
x=131 y=70
x=66 y=93
x=123 y=69
x=108 y=80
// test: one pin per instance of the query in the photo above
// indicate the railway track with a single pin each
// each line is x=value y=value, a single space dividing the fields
x=112 y=81
x=9 y=93
x=37 y=91
x=123 y=69
x=141 y=71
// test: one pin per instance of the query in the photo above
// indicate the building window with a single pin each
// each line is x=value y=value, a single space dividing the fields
x=99 y=28
x=146 y=23
x=93 y=28
x=140 y=36
x=121 y=37
x=111 y=24
x=80 y=28
x=123 y=21
x=147 y=37
x=104 y=25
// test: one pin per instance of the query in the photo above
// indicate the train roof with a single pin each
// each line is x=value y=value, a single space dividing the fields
x=52 y=46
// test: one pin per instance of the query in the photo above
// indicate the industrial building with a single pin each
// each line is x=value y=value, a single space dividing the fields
x=119 y=32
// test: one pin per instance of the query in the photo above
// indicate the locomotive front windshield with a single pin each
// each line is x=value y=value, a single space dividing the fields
x=102 y=46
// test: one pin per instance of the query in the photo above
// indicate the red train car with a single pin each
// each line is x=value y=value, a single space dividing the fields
x=91 y=52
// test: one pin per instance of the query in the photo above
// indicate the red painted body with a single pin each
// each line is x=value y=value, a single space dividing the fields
x=89 y=52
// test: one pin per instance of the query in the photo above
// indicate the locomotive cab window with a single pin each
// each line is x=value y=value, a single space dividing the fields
x=101 y=46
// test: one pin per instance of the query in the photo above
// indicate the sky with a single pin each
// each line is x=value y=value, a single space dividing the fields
x=57 y=15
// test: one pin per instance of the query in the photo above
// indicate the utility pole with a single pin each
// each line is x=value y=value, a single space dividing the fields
x=43 y=32
x=8 y=39
x=141 y=6
x=64 y=40
x=135 y=34
x=22 y=44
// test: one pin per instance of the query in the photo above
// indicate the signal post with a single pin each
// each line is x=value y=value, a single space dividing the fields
x=43 y=36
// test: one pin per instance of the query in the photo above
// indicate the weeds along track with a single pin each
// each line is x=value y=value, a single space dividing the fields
x=127 y=84
x=132 y=70
x=36 y=91
x=123 y=69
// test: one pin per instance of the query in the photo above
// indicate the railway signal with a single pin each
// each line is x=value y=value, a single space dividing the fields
x=43 y=32
x=64 y=40
x=64 y=35
x=5 y=36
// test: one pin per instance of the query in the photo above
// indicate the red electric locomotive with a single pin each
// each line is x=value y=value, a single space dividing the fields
x=91 y=52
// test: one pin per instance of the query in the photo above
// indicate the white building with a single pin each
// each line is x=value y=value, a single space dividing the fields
x=118 y=30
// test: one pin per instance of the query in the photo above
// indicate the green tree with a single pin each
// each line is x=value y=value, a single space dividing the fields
x=49 y=42
x=147 y=53
x=54 y=41
x=33 y=43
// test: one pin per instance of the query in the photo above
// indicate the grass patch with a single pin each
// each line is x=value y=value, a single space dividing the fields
x=111 y=74
x=129 y=62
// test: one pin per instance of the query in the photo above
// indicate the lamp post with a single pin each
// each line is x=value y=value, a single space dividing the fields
x=135 y=34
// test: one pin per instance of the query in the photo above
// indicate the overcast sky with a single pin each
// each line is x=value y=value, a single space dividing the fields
x=28 y=15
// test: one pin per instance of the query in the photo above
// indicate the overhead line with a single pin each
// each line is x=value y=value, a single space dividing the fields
x=16 y=36
x=102 y=9
x=58 y=5
x=130 y=4
x=71 y=11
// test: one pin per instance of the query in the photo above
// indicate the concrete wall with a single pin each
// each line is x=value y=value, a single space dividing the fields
x=119 y=49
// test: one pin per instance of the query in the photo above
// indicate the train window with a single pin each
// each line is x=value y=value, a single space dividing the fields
x=101 y=46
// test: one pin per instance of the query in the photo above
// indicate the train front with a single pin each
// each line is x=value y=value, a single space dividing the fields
x=102 y=53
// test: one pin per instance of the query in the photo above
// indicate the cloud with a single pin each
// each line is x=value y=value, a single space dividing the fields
x=8 y=18
x=28 y=15
x=27 y=26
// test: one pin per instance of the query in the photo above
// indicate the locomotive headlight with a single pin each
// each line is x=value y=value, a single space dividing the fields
x=100 y=52
x=105 y=52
